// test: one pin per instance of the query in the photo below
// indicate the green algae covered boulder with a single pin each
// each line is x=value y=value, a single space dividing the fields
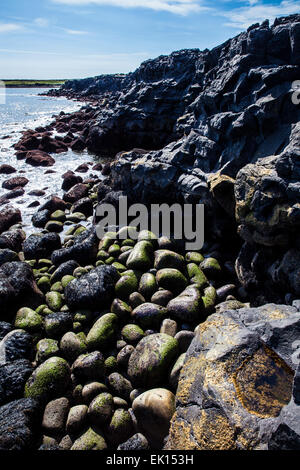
x=90 y=440
x=50 y=380
x=102 y=332
x=171 y=279
x=141 y=256
x=28 y=320
x=126 y=285
x=151 y=360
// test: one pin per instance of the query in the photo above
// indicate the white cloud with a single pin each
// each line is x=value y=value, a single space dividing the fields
x=257 y=11
x=180 y=7
x=75 y=32
x=9 y=27
x=42 y=22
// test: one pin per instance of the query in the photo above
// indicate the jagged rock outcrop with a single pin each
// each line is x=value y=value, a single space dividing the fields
x=223 y=130
x=237 y=388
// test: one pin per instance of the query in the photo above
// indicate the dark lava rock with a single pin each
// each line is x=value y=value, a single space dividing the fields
x=7 y=255
x=83 y=251
x=64 y=269
x=84 y=205
x=93 y=290
x=12 y=240
x=16 y=344
x=18 y=287
x=136 y=442
x=19 y=424
x=40 y=218
x=5 y=328
x=9 y=216
x=13 y=377
x=70 y=180
x=39 y=246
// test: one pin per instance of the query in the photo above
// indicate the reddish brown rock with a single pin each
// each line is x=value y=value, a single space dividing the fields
x=7 y=169
x=78 y=191
x=70 y=180
x=39 y=158
x=12 y=183
x=9 y=216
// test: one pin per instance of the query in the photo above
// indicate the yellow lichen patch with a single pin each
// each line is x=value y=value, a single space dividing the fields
x=186 y=381
x=264 y=383
x=212 y=431
x=274 y=314
x=180 y=436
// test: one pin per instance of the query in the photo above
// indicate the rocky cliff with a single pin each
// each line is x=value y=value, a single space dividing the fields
x=219 y=127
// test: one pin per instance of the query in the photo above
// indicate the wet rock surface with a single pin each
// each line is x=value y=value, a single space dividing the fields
x=136 y=344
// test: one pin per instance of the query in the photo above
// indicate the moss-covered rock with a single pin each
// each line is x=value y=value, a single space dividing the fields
x=211 y=268
x=90 y=440
x=89 y=366
x=57 y=287
x=58 y=215
x=147 y=285
x=54 y=300
x=197 y=276
x=102 y=332
x=45 y=349
x=110 y=365
x=127 y=284
x=149 y=315
x=50 y=380
x=150 y=361
x=73 y=345
x=28 y=320
x=209 y=299
x=121 y=309
x=101 y=409
x=54 y=226
x=44 y=284
x=114 y=250
x=141 y=256
x=120 y=427
x=66 y=279
x=168 y=259
x=187 y=306
x=171 y=279
x=132 y=334
x=194 y=257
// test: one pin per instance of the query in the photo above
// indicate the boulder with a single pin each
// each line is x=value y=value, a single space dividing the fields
x=39 y=246
x=9 y=216
x=92 y=290
x=39 y=158
x=19 y=425
x=151 y=359
x=18 y=287
x=236 y=380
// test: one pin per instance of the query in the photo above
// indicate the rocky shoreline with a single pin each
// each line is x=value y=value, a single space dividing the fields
x=132 y=344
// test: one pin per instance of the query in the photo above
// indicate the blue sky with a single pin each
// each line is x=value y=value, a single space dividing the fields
x=79 y=38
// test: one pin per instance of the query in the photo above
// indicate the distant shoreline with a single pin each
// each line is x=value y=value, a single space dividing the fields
x=33 y=83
